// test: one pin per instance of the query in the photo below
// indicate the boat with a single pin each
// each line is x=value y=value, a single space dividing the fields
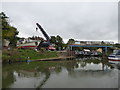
x=115 y=56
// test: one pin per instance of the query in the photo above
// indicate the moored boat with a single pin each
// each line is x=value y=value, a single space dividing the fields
x=115 y=56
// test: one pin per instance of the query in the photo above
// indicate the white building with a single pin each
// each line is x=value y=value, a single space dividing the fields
x=93 y=42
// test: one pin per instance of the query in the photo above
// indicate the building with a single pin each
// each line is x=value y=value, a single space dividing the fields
x=93 y=42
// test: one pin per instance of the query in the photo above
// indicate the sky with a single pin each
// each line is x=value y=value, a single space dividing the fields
x=77 y=20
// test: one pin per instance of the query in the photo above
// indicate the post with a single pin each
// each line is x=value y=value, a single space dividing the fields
x=106 y=50
x=68 y=51
x=71 y=52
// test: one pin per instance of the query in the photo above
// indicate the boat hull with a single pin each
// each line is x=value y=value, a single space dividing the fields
x=114 y=62
x=114 y=59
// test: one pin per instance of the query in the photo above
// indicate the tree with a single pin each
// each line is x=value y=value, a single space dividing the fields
x=8 y=32
x=117 y=45
x=53 y=39
x=71 y=41
x=102 y=42
x=58 y=41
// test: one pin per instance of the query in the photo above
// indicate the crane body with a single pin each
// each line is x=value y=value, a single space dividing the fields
x=46 y=43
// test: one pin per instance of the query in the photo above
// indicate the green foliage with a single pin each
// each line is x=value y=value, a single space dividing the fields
x=117 y=45
x=71 y=41
x=22 y=55
x=53 y=39
x=103 y=43
x=58 y=41
x=7 y=79
x=8 y=32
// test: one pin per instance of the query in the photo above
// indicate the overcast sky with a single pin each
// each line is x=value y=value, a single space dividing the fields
x=77 y=20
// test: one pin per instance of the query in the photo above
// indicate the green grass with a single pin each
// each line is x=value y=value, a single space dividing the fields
x=37 y=55
x=22 y=55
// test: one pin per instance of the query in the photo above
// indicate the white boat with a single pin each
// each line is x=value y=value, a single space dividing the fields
x=114 y=57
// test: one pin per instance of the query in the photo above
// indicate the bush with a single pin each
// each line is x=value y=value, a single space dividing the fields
x=5 y=58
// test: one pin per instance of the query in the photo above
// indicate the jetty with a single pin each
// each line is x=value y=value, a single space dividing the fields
x=54 y=59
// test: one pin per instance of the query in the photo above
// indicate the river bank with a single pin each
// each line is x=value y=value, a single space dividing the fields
x=20 y=55
x=16 y=55
x=54 y=58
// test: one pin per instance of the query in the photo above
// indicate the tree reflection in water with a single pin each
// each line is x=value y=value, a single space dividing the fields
x=78 y=66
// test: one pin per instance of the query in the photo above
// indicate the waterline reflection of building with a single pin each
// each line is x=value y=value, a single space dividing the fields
x=46 y=74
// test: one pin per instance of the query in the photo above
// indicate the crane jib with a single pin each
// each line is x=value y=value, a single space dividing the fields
x=43 y=32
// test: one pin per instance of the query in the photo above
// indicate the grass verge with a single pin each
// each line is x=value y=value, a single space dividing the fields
x=22 y=55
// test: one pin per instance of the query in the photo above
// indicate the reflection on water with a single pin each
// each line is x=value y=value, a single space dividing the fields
x=78 y=73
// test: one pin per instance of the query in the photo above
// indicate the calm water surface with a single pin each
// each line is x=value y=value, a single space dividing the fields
x=77 y=73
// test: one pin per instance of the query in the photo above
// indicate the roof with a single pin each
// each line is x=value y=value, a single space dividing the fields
x=88 y=46
x=28 y=44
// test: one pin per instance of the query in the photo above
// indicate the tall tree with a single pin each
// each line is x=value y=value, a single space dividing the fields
x=8 y=32
x=59 y=39
x=102 y=42
x=71 y=41
x=53 y=39
x=59 y=42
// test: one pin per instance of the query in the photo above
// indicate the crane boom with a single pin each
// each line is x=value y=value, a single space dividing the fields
x=43 y=32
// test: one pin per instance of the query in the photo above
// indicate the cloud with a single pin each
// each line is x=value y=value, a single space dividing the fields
x=83 y=21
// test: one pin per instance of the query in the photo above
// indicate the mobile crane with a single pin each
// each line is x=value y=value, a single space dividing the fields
x=44 y=43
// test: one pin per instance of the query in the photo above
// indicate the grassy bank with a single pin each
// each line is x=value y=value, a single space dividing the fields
x=22 y=55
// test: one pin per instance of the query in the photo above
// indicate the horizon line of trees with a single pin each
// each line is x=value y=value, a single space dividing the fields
x=10 y=33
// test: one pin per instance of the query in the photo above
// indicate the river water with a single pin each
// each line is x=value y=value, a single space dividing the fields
x=77 y=73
